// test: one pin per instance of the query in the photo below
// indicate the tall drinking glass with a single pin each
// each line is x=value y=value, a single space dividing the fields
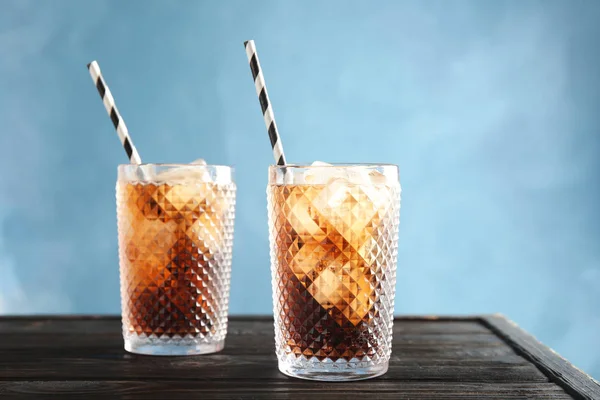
x=334 y=244
x=175 y=243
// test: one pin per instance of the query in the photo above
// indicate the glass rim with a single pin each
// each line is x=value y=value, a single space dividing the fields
x=175 y=165
x=334 y=165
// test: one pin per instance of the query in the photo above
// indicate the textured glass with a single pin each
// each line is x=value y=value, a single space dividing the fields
x=334 y=254
x=175 y=247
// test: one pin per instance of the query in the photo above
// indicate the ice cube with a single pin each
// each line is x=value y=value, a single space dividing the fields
x=377 y=178
x=330 y=290
x=310 y=175
x=322 y=175
x=336 y=193
x=288 y=179
x=357 y=176
x=327 y=288
x=336 y=179
x=185 y=174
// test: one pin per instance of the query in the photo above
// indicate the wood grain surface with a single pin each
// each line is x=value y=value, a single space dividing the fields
x=440 y=358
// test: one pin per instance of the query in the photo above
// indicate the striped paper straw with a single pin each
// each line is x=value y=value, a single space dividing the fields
x=265 y=103
x=113 y=113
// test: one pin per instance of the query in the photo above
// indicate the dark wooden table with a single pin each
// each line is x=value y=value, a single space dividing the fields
x=433 y=358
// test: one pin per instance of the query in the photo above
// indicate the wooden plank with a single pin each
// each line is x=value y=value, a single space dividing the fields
x=465 y=340
x=413 y=356
x=443 y=347
x=426 y=325
x=282 y=389
x=112 y=339
x=91 y=348
x=574 y=381
x=92 y=334
x=442 y=358
x=235 y=367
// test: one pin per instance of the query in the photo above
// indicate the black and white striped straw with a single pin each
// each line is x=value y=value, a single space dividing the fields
x=265 y=103
x=113 y=113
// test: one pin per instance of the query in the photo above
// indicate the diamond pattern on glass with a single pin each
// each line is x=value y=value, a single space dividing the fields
x=175 y=247
x=333 y=261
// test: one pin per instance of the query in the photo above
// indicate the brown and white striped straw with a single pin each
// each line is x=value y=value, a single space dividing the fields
x=265 y=103
x=113 y=113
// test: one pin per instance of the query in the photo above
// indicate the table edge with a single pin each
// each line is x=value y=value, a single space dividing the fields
x=559 y=370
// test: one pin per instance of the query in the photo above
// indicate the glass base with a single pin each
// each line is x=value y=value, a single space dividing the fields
x=336 y=373
x=171 y=347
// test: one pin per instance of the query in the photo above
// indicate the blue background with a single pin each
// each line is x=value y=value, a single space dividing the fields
x=489 y=108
